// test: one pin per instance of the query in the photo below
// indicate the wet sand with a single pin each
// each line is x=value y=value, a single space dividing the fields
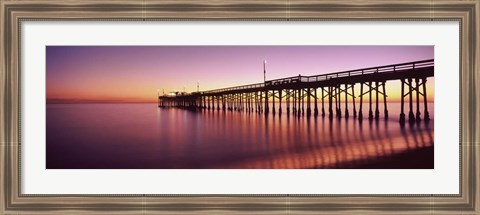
x=421 y=158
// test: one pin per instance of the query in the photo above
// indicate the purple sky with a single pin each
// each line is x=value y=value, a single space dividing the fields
x=134 y=73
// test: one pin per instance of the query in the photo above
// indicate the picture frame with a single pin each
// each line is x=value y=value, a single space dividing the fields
x=13 y=13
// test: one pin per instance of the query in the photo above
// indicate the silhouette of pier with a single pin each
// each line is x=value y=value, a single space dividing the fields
x=326 y=91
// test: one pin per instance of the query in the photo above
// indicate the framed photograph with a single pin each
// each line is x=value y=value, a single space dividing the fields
x=305 y=107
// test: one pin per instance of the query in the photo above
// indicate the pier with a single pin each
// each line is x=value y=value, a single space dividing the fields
x=321 y=95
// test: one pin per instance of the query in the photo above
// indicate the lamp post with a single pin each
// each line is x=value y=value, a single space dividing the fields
x=264 y=71
x=198 y=87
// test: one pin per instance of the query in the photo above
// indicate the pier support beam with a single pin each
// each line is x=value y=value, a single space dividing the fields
x=346 y=101
x=266 y=102
x=260 y=102
x=370 y=112
x=302 y=99
x=234 y=102
x=231 y=102
x=280 y=102
x=247 y=102
x=402 y=102
x=411 y=116
x=309 y=110
x=213 y=102
x=223 y=103
x=377 y=112
x=252 y=102
x=256 y=103
x=339 y=107
x=353 y=101
x=385 y=109
x=294 y=102
x=273 y=102
x=240 y=103
x=315 y=110
x=323 y=102
x=208 y=102
x=417 y=87
x=330 y=98
x=287 y=98
x=360 y=115
x=426 y=115
x=299 y=101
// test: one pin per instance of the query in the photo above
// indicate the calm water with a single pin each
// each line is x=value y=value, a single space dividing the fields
x=91 y=136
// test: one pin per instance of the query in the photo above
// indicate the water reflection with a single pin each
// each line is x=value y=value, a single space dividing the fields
x=143 y=136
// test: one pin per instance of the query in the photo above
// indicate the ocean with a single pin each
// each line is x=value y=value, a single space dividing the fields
x=144 y=136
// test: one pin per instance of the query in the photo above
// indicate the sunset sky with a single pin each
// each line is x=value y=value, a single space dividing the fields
x=134 y=73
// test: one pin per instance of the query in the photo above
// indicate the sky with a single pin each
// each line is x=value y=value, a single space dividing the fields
x=86 y=74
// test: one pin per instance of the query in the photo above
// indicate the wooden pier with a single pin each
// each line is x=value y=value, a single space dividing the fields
x=324 y=92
